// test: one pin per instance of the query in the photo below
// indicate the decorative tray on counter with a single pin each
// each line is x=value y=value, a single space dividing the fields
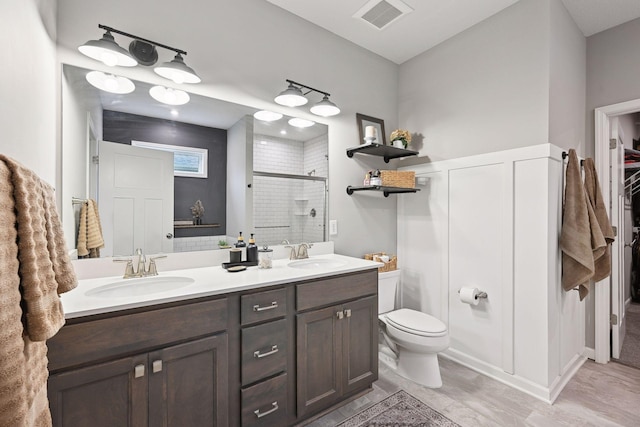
x=226 y=265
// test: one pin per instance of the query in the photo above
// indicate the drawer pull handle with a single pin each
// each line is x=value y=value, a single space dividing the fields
x=270 y=411
x=347 y=312
x=138 y=371
x=340 y=315
x=274 y=349
x=273 y=305
x=157 y=366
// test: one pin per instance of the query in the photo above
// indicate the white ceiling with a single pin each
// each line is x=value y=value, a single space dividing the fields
x=434 y=21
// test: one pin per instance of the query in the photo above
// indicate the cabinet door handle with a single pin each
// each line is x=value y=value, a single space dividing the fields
x=270 y=411
x=273 y=305
x=340 y=315
x=157 y=366
x=274 y=349
x=138 y=371
x=347 y=312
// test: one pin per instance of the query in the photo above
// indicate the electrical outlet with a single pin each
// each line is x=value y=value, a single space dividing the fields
x=333 y=227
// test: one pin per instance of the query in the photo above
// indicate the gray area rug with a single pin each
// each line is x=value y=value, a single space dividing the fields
x=630 y=353
x=399 y=410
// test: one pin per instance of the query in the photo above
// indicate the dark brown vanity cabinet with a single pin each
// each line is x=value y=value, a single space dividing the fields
x=101 y=377
x=336 y=344
x=266 y=357
x=264 y=348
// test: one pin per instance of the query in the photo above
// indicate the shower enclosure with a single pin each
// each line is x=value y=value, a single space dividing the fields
x=290 y=183
x=289 y=207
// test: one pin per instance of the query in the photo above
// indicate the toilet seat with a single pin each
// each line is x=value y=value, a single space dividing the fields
x=416 y=323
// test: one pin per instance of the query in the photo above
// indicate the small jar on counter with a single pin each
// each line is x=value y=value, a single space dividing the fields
x=265 y=257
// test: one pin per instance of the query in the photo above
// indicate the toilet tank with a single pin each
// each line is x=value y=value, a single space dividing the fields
x=387 y=290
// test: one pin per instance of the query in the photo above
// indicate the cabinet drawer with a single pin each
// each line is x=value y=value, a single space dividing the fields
x=265 y=404
x=85 y=342
x=261 y=306
x=336 y=289
x=264 y=350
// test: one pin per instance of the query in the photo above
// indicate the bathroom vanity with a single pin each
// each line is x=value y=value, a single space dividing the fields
x=258 y=348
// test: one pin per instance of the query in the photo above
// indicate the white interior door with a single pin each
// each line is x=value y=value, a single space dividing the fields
x=135 y=199
x=617 y=248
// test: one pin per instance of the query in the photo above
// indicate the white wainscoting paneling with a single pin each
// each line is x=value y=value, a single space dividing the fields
x=492 y=221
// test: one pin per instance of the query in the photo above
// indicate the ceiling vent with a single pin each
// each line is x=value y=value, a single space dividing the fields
x=381 y=13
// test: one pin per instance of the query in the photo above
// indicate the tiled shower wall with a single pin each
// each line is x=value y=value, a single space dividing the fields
x=282 y=206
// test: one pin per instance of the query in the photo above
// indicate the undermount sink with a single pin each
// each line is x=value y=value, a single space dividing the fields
x=311 y=264
x=140 y=286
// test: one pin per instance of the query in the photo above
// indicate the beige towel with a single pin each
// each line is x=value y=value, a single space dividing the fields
x=35 y=268
x=602 y=258
x=90 y=231
x=576 y=238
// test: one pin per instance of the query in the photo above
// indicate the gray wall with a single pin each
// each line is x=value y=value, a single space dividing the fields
x=484 y=90
x=28 y=111
x=613 y=70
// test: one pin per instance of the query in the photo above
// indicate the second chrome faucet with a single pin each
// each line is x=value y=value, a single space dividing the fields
x=301 y=252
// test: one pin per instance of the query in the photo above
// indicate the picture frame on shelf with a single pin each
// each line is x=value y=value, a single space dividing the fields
x=365 y=121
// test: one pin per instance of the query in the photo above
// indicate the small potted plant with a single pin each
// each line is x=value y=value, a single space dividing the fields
x=400 y=138
x=197 y=210
x=222 y=244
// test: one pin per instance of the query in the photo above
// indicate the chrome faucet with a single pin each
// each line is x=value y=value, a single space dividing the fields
x=301 y=252
x=142 y=260
x=292 y=254
x=142 y=271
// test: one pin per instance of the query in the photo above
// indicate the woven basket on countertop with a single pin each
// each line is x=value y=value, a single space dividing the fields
x=391 y=265
x=402 y=179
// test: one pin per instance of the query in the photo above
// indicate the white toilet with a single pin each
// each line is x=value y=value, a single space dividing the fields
x=415 y=338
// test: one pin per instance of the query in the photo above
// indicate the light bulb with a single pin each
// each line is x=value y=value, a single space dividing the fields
x=110 y=83
x=170 y=97
x=178 y=78
x=109 y=59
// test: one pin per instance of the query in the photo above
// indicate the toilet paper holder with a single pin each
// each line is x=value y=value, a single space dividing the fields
x=480 y=295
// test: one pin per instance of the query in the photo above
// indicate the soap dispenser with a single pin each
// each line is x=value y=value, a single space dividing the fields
x=252 y=250
x=240 y=243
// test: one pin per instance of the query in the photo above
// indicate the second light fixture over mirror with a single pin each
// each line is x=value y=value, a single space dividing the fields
x=293 y=96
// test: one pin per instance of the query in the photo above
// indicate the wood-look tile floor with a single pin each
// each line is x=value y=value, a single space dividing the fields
x=598 y=395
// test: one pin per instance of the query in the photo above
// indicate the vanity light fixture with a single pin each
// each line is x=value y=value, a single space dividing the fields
x=293 y=97
x=325 y=108
x=301 y=123
x=110 y=82
x=141 y=51
x=177 y=71
x=107 y=51
x=169 y=96
x=267 y=116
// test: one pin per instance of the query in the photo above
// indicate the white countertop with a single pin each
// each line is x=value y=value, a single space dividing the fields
x=208 y=281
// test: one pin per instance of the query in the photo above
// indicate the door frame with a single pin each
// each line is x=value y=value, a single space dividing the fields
x=603 y=116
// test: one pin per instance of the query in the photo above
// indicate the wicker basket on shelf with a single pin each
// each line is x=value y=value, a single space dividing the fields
x=391 y=265
x=402 y=179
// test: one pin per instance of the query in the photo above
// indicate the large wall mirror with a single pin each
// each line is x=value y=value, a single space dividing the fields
x=146 y=164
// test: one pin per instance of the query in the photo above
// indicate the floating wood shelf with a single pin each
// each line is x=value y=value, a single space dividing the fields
x=197 y=226
x=385 y=190
x=386 y=151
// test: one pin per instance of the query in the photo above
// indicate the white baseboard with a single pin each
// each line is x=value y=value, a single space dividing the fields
x=589 y=353
x=546 y=394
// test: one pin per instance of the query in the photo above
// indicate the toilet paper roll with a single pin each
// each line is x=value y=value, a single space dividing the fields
x=469 y=296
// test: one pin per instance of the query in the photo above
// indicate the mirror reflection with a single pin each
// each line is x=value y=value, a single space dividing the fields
x=189 y=177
